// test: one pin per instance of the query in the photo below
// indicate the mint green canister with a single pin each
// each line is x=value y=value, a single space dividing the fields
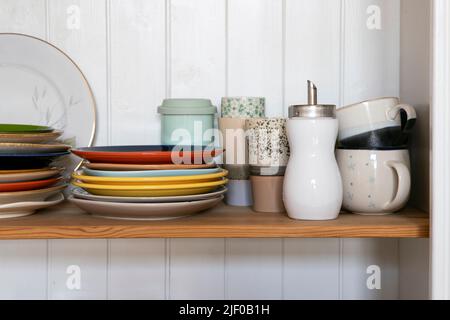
x=187 y=121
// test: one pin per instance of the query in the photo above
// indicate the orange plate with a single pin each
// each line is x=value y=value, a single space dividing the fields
x=147 y=154
x=28 y=185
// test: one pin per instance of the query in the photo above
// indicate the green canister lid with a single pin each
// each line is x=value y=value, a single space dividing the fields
x=187 y=106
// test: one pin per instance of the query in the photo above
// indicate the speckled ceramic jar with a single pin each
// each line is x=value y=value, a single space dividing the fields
x=268 y=146
x=243 y=107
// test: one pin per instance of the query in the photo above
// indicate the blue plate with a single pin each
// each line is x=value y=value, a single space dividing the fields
x=149 y=173
x=18 y=161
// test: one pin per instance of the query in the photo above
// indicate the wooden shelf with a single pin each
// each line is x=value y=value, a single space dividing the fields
x=68 y=222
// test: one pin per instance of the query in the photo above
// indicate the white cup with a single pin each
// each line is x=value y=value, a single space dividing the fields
x=374 y=182
x=375 y=124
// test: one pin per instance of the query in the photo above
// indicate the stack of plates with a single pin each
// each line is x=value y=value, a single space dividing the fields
x=27 y=180
x=143 y=182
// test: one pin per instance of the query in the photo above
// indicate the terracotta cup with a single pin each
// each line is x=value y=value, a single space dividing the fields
x=267 y=193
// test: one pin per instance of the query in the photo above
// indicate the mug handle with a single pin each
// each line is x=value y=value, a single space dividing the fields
x=403 y=188
x=411 y=116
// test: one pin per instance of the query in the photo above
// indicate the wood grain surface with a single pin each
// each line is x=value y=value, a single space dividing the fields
x=68 y=222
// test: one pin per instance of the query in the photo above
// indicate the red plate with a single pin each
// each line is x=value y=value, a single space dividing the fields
x=28 y=185
x=148 y=154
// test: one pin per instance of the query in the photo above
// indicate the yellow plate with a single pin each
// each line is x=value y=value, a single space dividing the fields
x=160 y=181
x=150 y=190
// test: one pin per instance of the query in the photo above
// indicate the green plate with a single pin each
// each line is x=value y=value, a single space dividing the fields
x=23 y=128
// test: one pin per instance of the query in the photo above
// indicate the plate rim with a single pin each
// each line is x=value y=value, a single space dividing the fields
x=44 y=129
x=150 y=188
x=34 y=155
x=21 y=204
x=115 y=166
x=143 y=205
x=214 y=170
x=33 y=192
x=75 y=192
x=222 y=173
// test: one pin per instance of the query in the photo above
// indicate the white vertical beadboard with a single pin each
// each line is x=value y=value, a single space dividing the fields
x=371 y=67
x=90 y=256
x=197 y=49
x=196 y=269
x=137 y=70
x=311 y=269
x=414 y=269
x=254 y=68
x=196 y=52
x=372 y=57
x=312 y=50
x=255 y=51
x=23 y=269
x=23 y=264
x=359 y=254
x=254 y=269
x=23 y=16
x=136 y=269
x=86 y=45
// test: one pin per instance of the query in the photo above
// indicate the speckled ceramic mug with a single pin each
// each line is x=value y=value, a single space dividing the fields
x=268 y=146
x=374 y=182
x=243 y=107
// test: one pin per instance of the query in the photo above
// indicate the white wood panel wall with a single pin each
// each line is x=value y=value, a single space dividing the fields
x=137 y=52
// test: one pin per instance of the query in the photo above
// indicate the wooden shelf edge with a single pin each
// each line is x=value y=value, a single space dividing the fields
x=68 y=222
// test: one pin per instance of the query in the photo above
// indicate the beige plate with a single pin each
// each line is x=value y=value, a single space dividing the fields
x=32 y=195
x=32 y=148
x=30 y=176
x=21 y=209
x=138 y=167
x=29 y=137
x=145 y=211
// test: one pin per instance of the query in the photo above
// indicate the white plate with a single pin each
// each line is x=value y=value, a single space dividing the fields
x=30 y=176
x=41 y=85
x=21 y=209
x=83 y=194
x=29 y=196
x=145 y=211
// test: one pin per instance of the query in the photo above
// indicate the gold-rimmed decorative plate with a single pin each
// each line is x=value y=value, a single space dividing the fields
x=44 y=88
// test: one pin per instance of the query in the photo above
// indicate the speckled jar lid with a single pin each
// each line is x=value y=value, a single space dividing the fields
x=187 y=106
x=243 y=107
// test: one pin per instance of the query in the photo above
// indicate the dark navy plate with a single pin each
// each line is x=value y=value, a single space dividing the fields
x=17 y=161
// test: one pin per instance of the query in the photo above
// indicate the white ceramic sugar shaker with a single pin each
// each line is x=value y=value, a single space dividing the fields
x=312 y=185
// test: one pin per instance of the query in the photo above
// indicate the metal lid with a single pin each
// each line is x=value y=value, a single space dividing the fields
x=312 y=109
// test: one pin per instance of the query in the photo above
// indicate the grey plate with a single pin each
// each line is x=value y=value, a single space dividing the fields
x=83 y=194
x=145 y=211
